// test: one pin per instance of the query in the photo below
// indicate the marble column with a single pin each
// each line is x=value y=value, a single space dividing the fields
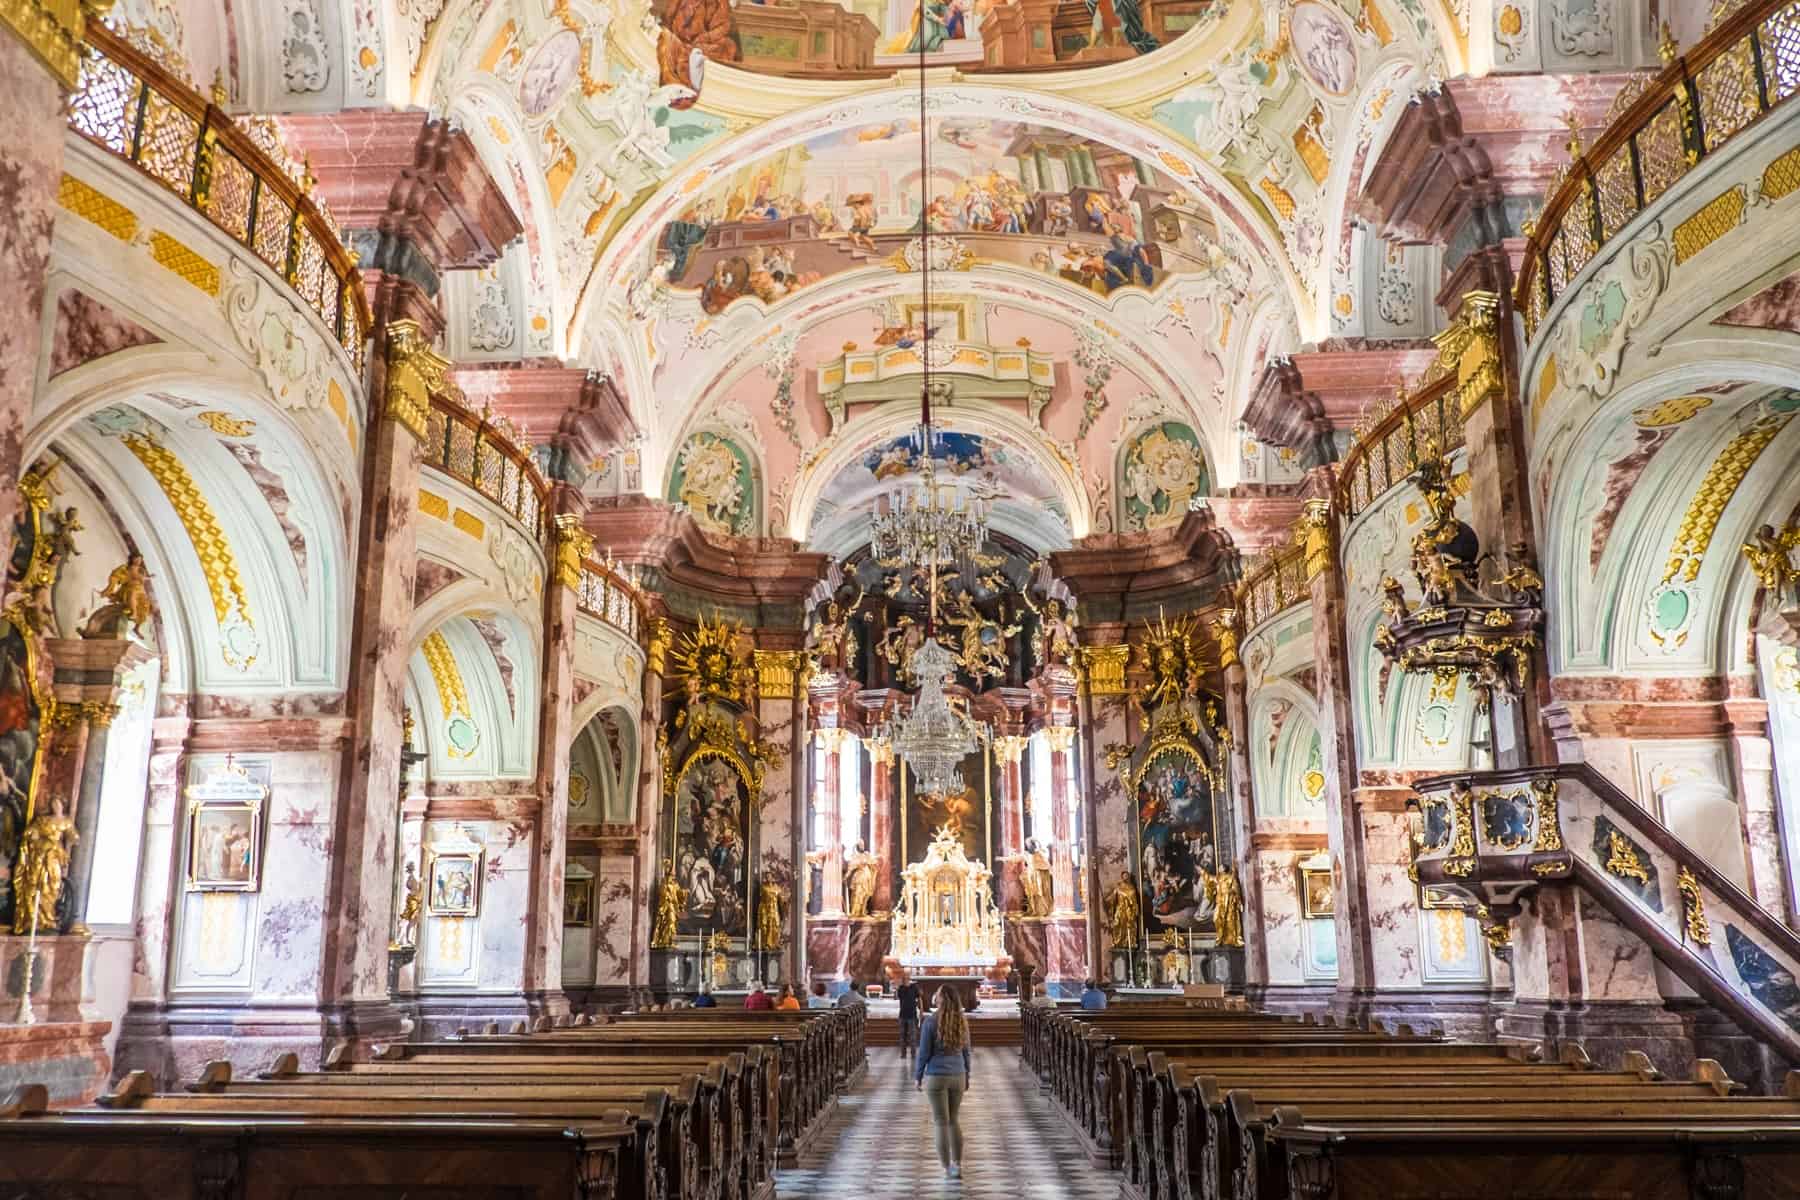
x=1243 y=804
x=360 y=919
x=1062 y=825
x=570 y=547
x=777 y=680
x=1009 y=749
x=158 y=856
x=651 y=841
x=1108 y=717
x=1753 y=765
x=883 y=844
x=1343 y=822
x=828 y=837
x=31 y=157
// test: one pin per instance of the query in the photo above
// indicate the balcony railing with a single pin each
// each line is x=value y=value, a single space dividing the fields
x=129 y=105
x=1423 y=424
x=1747 y=65
x=476 y=451
x=610 y=597
x=1272 y=585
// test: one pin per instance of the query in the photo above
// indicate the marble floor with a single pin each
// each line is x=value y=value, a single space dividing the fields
x=878 y=1145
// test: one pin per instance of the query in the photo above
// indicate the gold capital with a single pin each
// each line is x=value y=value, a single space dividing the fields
x=1314 y=537
x=414 y=372
x=571 y=547
x=776 y=672
x=1010 y=747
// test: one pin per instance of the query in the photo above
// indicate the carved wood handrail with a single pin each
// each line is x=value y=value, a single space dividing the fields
x=1747 y=65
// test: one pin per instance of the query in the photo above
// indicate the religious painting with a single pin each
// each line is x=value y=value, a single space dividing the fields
x=713 y=478
x=1178 y=839
x=224 y=842
x=1164 y=469
x=549 y=71
x=1070 y=207
x=20 y=725
x=1317 y=899
x=713 y=812
x=1323 y=48
x=578 y=902
x=964 y=813
x=453 y=885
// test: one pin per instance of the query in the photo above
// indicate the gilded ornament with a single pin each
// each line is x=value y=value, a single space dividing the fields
x=1693 y=906
x=1171 y=654
x=1103 y=667
x=408 y=932
x=125 y=602
x=1549 y=821
x=657 y=654
x=54 y=30
x=571 y=547
x=1225 y=633
x=1060 y=738
x=717 y=662
x=777 y=671
x=415 y=372
x=1471 y=348
x=1313 y=536
x=1622 y=859
x=1009 y=748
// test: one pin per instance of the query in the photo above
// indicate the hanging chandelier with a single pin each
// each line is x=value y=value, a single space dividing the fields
x=933 y=525
x=934 y=738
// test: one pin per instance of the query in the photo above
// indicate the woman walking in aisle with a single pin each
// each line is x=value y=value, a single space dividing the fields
x=941 y=1070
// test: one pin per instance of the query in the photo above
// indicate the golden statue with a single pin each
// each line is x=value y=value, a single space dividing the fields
x=1228 y=916
x=669 y=905
x=770 y=898
x=43 y=865
x=1770 y=553
x=409 y=908
x=126 y=605
x=1122 y=911
x=859 y=881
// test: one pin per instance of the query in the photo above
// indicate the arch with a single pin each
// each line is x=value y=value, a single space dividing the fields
x=474 y=678
x=1282 y=716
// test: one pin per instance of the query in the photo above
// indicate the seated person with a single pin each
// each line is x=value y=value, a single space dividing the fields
x=788 y=1002
x=1092 y=998
x=705 y=1000
x=818 y=999
x=759 y=1001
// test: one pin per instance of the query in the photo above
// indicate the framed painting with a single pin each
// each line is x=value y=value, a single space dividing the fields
x=712 y=826
x=225 y=831
x=1178 y=838
x=578 y=902
x=1316 y=896
x=453 y=884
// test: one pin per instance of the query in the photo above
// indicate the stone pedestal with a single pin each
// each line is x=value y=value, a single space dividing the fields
x=867 y=944
x=827 y=947
x=58 y=978
x=67 y=1057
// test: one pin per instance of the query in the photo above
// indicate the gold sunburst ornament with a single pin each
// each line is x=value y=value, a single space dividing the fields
x=715 y=662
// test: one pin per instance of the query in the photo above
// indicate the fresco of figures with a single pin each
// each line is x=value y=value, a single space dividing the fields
x=712 y=837
x=870 y=38
x=1164 y=470
x=1001 y=191
x=1178 y=835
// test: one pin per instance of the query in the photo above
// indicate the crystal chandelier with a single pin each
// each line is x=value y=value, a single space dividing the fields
x=933 y=738
x=933 y=526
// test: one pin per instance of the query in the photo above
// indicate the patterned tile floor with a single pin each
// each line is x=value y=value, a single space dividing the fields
x=878 y=1145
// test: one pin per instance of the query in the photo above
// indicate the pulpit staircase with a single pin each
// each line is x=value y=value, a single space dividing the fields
x=1496 y=836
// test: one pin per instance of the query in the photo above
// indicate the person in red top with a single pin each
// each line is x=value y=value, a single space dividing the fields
x=758 y=1001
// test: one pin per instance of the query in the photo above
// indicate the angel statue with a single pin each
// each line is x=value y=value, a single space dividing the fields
x=635 y=100
x=1054 y=642
x=1122 y=913
x=670 y=902
x=832 y=639
x=771 y=899
x=126 y=605
x=1770 y=553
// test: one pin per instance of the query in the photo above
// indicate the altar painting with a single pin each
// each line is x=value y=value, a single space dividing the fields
x=712 y=845
x=1178 y=839
x=964 y=813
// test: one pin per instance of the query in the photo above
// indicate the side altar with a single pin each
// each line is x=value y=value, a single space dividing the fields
x=945 y=923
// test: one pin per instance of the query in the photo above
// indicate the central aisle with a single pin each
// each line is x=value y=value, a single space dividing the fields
x=878 y=1145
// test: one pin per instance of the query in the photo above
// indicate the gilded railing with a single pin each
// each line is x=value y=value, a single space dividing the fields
x=479 y=452
x=610 y=597
x=1748 y=64
x=131 y=106
x=1272 y=584
x=1388 y=451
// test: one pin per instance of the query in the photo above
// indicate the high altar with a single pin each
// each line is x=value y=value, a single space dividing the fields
x=946 y=922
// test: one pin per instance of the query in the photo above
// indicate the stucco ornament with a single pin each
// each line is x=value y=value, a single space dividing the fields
x=521 y=574
x=292 y=358
x=1591 y=335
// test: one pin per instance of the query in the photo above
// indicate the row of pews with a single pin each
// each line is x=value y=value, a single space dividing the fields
x=686 y=1105
x=1194 y=1104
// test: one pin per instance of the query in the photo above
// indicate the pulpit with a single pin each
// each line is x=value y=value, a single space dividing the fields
x=945 y=923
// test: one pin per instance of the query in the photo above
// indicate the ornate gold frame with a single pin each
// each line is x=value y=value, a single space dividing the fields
x=33 y=490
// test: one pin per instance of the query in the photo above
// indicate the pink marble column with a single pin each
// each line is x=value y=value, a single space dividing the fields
x=651 y=838
x=1008 y=751
x=1062 y=824
x=570 y=546
x=360 y=914
x=1243 y=805
x=778 y=673
x=882 y=811
x=31 y=157
x=1343 y=823
x=1112 y=827
x=159 y=859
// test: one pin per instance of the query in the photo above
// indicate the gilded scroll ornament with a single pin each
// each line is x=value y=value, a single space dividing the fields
x=1471 y=347
x=1313 y=536
x=1693 y=907
x=1549 y=820
x=1622 y=859
x=414 y=372
x=777 y=672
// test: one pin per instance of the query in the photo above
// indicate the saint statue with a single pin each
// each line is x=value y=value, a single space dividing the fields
x=859 y=881
x=1035 y=879
x=43 y=865
x=1228 y=917
x=1054 y=642
x=1122 y=911
x=770 y=899
x=409 y=908
x=669 y=905
x=832 y=639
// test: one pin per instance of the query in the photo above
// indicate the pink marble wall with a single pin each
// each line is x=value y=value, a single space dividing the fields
x=31 y=157
x=615 y=910
x=504 y=963
x=292 y=903
x=159 y=858
x=1282 y=935
x=1112 y=829
x=1389 y=898
x=86 y=330
x=775 y=849
x=556 y=715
